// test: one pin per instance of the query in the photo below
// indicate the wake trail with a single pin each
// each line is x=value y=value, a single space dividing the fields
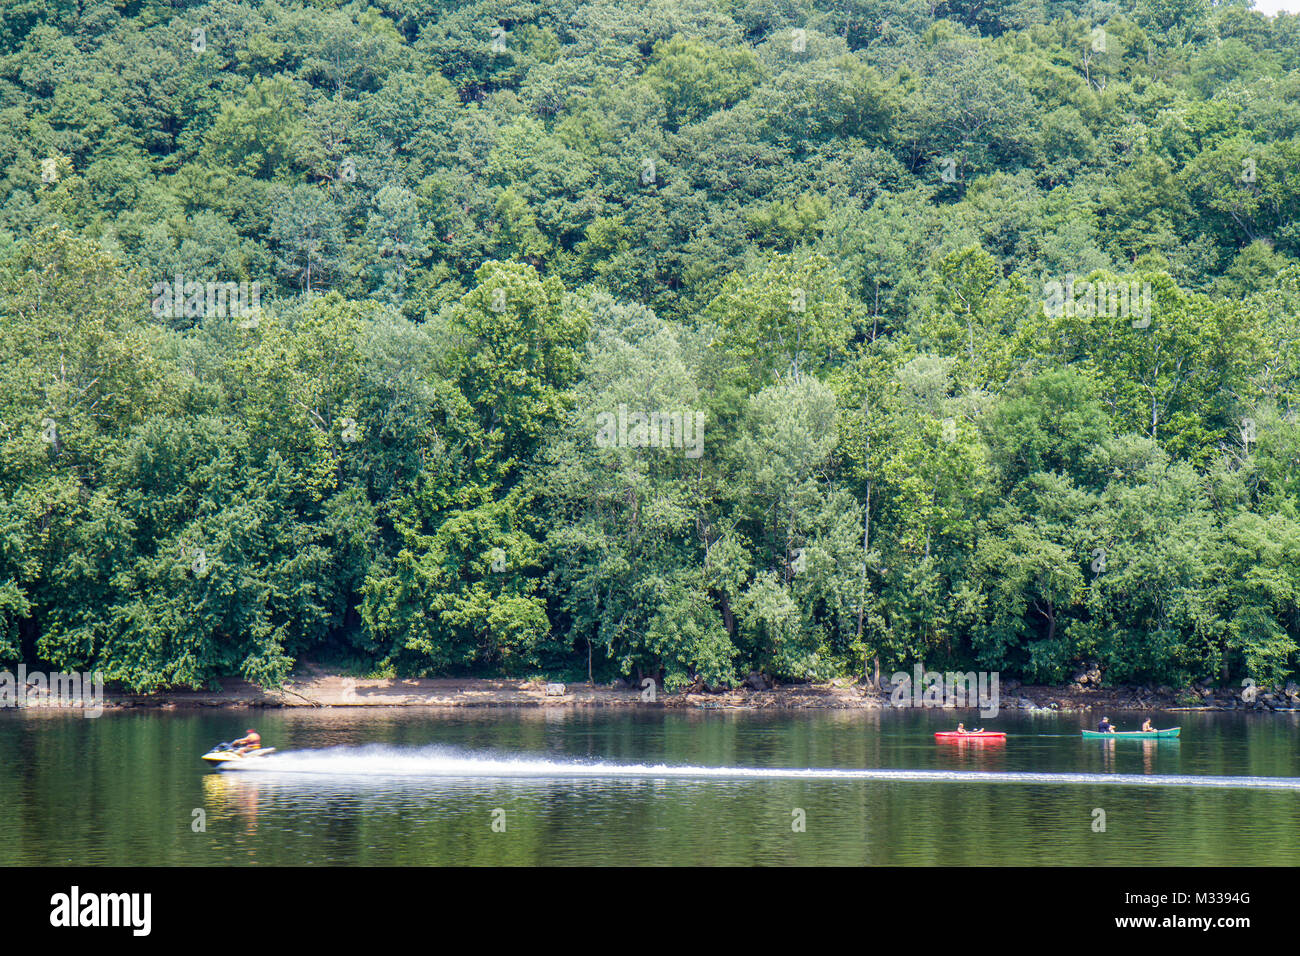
x=436 y=762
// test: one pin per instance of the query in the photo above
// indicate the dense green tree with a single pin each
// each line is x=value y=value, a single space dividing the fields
x=986 y=312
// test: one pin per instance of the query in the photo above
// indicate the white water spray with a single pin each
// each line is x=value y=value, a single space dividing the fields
x=378 y=761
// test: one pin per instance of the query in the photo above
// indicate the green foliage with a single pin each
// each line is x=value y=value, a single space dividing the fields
x=837 y=234
x=695 y=79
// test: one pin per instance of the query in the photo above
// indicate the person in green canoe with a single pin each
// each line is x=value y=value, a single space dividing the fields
x=1147 y=728
x=1105 y=727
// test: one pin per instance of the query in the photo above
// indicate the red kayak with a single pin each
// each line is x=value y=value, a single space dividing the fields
x=970 y=735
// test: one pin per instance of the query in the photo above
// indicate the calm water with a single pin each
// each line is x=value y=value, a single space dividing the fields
x=378 y=787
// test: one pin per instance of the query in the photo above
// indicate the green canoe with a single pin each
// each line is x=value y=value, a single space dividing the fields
x=1131 y=734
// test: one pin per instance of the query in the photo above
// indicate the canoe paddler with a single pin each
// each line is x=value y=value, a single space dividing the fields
x=1105 y=727
x=1146 y=727
x=251 y=741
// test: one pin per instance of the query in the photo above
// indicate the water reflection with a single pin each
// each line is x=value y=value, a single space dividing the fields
x=979 y=754
x=233 y=796
x=646 y=787
x=1108 y=755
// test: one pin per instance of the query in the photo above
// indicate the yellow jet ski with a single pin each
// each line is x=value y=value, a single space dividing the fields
x=229 y=753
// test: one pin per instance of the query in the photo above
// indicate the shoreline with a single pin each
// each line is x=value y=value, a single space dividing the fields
x=316 y=687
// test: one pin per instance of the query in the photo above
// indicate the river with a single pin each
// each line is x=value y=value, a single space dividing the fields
x=558 y=786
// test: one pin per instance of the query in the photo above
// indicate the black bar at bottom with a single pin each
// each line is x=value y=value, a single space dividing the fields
x=361 y=906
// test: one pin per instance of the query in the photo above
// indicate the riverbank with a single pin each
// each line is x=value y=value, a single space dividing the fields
x=313 y=687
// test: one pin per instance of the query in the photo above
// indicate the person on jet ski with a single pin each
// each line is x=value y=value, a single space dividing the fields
x=251 y=741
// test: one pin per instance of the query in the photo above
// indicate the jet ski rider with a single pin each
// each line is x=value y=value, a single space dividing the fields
x=252 y=741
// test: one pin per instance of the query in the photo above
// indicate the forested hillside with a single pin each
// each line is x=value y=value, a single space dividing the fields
x=680 y=338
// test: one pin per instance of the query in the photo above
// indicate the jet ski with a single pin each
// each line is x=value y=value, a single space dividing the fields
x=228 y=753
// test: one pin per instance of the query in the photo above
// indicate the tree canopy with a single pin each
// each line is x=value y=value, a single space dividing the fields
x=671 y=339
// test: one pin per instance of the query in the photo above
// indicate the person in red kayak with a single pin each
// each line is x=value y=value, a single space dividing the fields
x=251 y=741
x=961 y=729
